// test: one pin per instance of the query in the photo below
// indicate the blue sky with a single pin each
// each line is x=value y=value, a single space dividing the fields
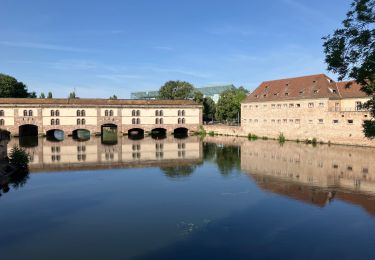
x=101 y=48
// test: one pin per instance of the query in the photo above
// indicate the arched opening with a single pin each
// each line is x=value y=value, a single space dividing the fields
x=55 y=135
x=181 y=132
x=4 y=134
x=81 y=134
x=136 y=133
x=159 y=133
x=28 y=130
x=109 y=134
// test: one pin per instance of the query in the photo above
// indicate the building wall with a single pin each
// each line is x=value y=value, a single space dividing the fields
x=95 y=117
x=324 y=119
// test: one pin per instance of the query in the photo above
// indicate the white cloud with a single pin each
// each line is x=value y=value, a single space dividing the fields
x=42 y=46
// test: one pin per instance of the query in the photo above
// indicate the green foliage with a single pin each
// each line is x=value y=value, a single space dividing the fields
x=11 y=88
x=113 y=97
x=264 y=137
x=281 y=138
x=229 y=104
x=49 y=95
x=211 y=133
x=198 y=97
x=252 y=136
x=178 y=171
x=314 y=141
x=42 y=95
x=72 y=95
x=18 y=156
x=209 y=109
x=176 y=90
x=201 y=132
x=228 y=158
x=350 y=52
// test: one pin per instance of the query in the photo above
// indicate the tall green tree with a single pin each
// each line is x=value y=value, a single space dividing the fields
x=176 y=90
x=72 y=95
x=49 y=95
x=11 y=88
x=42 y=95
x=229 y=105
x=209 y=109
x=113 y=97
x=350 y=52
x=198 y=97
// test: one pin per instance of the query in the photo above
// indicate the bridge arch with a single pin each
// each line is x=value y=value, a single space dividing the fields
x=56 y=135
x=158 y=133
x=28 y=130
x=181 y=132
x=136 y=133
x=4 y=134
x=109 y=134
x=81 y=134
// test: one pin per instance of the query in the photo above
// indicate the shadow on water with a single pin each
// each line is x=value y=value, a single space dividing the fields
x=28 y=141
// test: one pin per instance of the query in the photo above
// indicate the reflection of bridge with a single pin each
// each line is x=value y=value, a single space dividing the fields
x=30 y=117
x=92 y=154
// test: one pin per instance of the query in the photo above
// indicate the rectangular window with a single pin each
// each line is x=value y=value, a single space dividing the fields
x=265 y=121
x=285 y=105
x=273 y=120
x=335 y=121
x=273 y=106
x=279 y=106
x=279 y=121
x=358 y=105
x=297 y=121
x=320 y=121
x=321 y=104
x=311 y=105
x=298 y=105
x=290 y=120
x=350 y=121
x=250 y=107
x=310 y=121
x=285 y=120
x=291 y=105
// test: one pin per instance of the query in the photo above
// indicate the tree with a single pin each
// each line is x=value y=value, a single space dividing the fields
x=49 y=95
x=42 y=95
x=11 y=88
x=113 y=97
x=229 y=105
x=72 y=95
x=350 y=52
x=176 y=90
x=198 y=97
x=209 y=109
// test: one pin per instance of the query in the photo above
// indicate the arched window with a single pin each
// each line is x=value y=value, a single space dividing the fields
x=78 y=113
x=156 y=120
x=78 y=121
x=161 y=120
x=2 y=122
x=156 y=112
x=133 y=112
x=110 y=112
x=25 y=113
x=138 y=121
x=183 y=121
x=179 y=120
x=52 y=112
x=57 y=121
x=183 y=113
x=138 y=112
x=83 y=113
x=161 y=113
x=133 y=121
x=179 y=112
x=57 y=113
x=1 y=112
x=30 y=113
x=52 y=121
x=83 y=122
x=106 y=113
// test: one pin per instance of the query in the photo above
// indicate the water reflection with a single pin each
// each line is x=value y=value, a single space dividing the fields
x=96 y=153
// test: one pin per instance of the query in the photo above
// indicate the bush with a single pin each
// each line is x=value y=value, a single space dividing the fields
x=264 y=137
x=314 y=141
x=211 y=133
x=18 y=156
x=252 y=136
x=281 y=138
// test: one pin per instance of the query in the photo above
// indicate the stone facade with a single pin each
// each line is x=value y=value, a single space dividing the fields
x=91 y=114
x=306 y=108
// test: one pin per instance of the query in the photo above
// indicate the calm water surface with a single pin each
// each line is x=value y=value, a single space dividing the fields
x=220 y=198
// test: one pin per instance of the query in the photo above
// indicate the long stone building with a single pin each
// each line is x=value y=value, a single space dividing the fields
x=39 y=116
x=307 y=107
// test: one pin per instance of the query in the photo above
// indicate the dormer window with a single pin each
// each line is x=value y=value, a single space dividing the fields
x=256 y=96
x=275 y=94
x=286 y=94
x=334 y=91
x=264 y=95
x=266 y=87
x=301 y=92
x=315 y=91
x=287 y=84
x=314 y=81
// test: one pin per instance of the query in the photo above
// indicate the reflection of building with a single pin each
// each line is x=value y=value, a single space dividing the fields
x=312 y=174
x=93 y=154
x=211 y=91
x=307 y=107
x=37 y=116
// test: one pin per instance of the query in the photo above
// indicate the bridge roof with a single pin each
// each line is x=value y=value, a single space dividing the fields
x=95 y=102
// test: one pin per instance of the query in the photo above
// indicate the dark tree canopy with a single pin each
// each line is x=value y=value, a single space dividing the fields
x=49 y=95
x=209 y=109
x=176 y=90
x=11 y=88
x=350 y=52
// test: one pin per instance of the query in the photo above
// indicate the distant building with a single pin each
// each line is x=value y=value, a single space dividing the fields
x=307 y=107
x=209 y=91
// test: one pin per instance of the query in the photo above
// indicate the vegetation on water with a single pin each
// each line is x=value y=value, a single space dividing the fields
x=19 y=157
x=350 y=52
x=251 y=136
x=281 y=138
x=211 y=133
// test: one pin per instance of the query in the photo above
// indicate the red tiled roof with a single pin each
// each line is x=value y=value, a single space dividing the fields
x=350 y=89
x=312 y=86
x=95 y=102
